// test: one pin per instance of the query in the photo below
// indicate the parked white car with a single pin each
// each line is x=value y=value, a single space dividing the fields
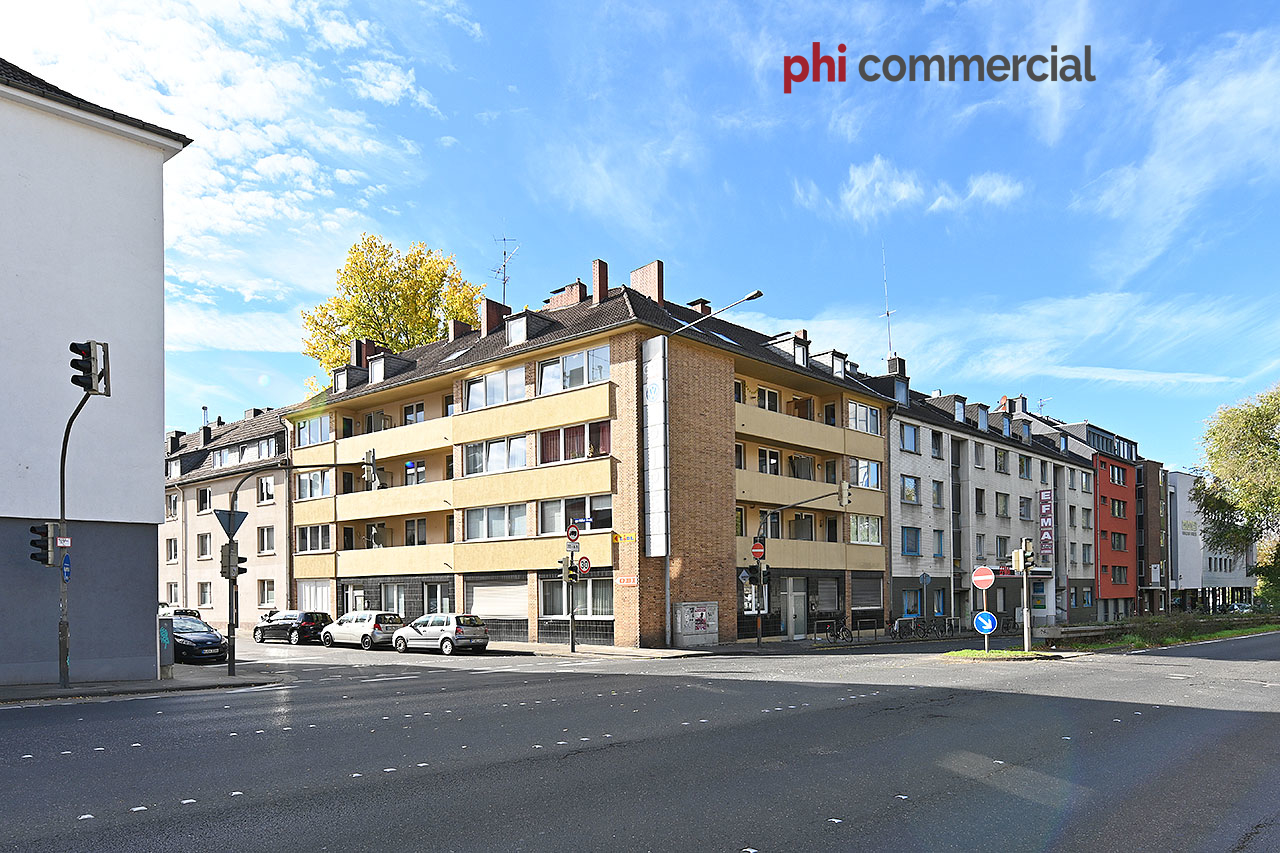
x=369 y=628
x=443 y=631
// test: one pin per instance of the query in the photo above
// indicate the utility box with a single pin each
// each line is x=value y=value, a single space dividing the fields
x=697 y=623
x=164 y=646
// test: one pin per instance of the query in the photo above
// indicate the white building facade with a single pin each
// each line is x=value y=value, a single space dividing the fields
x=81 y=209
x=1199 y=576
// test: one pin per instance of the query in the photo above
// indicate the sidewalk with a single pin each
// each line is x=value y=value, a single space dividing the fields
x=184 y=678
x=584 y=649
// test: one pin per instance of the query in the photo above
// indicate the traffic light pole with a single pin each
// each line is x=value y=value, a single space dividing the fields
x=64 y=622
x=760 y=563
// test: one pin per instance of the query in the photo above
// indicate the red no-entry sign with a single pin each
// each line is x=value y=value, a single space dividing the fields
x=757 y=550
x=983 y=577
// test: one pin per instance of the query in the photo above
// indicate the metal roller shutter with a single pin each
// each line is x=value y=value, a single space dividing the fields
x=867 y=589
x=499 y=599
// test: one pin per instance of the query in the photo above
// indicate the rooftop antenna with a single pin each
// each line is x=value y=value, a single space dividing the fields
x=500 y=271
x=887 y=315
x=1040 y=404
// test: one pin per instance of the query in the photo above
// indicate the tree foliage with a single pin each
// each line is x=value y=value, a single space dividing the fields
x=400 y=301
x=1239 y=497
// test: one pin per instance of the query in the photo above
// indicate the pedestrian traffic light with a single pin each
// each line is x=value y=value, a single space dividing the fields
x=846 y=493
x=231 y=560
x=764 y=576
x=44 y=545
x=92 y=367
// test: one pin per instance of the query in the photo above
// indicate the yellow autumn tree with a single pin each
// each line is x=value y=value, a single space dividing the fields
x=399 y=300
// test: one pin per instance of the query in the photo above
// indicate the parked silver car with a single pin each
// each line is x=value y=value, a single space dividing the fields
x=369 y=628
x=443 y=631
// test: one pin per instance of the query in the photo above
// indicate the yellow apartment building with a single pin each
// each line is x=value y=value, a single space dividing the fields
x=669 y=445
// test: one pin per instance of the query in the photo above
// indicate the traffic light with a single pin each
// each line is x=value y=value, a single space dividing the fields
x=764 y=576
x=753 y=575
x=568 y=569
x=92 y=367
x=231 y=560
x=846 y=493
x=369 y=470
x=1028 y=554
x=44 y=545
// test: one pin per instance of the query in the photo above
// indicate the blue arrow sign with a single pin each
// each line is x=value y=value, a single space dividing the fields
x=984 y=622
x=66 y=568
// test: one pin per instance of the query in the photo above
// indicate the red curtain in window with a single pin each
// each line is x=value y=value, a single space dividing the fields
x=549 y=447
x=600 y=438
x=575 y=442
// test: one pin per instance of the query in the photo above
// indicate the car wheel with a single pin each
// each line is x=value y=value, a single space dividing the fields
x=294 y=637
x=401 y=645
x=366 y=642
x=326 y=638
x=446 y=646
x=257 y=635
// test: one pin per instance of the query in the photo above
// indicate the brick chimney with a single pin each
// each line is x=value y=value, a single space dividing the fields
x=702 y=306
x=491 y=314
x=648 y=280
x=599 y=281
x=570 y=294
x=802 y=334
x=457 y=329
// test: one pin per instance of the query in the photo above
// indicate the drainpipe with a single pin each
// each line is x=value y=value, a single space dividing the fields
x=289 y=596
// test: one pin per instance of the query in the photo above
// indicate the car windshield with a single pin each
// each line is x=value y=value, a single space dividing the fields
x=471 y=621
x=189 y=625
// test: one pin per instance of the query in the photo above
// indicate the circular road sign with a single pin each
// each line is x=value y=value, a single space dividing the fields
x=572 y=533
x=757 y=550
x=983 y=577
x=984 y=622
x=584 y=566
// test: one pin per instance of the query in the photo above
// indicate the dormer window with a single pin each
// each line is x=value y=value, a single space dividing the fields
x=900 y=391
x=1004 y=427
x=339 y=381
x=960 y=411
x=802 y=352
x=982 y=419
x=517 y=330
x=1062 y=445
x=837 y=367
x=1026 y=432
x=377 y=370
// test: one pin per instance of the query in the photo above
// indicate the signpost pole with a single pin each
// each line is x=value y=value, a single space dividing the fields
x=759 y=604
x=1026 y=609
x=573 y=605
x=986 y=638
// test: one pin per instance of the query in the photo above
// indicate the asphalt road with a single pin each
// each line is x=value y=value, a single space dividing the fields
x=897 y=750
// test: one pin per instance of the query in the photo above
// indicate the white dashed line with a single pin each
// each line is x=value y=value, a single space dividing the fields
x=187 y=802
x=85 y=817
x=138 y=809
x=237 y=793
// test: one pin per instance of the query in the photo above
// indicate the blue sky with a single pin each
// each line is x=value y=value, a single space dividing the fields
x=1109 y=247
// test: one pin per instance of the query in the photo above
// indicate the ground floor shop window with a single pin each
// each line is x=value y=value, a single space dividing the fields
x=393 y=597
x=592 y=597
x=435 y=597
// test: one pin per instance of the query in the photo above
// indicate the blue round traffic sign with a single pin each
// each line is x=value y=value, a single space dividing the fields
x=984 y=622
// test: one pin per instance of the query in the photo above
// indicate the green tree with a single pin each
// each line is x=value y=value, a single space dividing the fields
x=400 y=301
x=1239 y=497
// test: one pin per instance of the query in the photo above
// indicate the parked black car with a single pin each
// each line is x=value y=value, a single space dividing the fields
x=296 y=626
x=195 y=641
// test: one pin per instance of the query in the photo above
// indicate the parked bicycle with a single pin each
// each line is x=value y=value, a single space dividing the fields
x=838 y=631
x=1009 y=625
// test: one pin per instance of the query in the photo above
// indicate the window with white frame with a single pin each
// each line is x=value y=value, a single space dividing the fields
x=910 y=489
x=267 y=447
x=415 y=472
x=415 y=531
x=393 y=597
x=739 y=391
x=801 y=526
x=1086 y=553
x=864 y=529
x=1071 y=478
x=865 y=473
x=312 y=431
x=517 y=330
x=979 y=455
x=1086 y=518
x=770 y=524
x=1119 y=542
x=1086 y=481
x=767 y=398
x=1024 y=508
x=267 y=539
x=1119 y=508
x=414 y=413
x=864 y=418
x=980 y=501
x=172 y=589
x=1002 y=461
x=495 y=522
x=580 y=441
x=1002 y=505
x=770 y=461
x=592 y=597
x=939 y=543
x=204 y=593
x=1044 y=471
x=935 y=444
x=266 y=490
x=1071 y=552
x=204 y=546
x=593 y=512
x=980 y=545
x=909 y=437
x=1118 y=475
x=171 y=550
x=1002 y=547
x=204 y=499
x=573 y=370
x=315 y=484
x=1024 y=466
x=224 y=457
x=313 y=537
x=492 y=389
x=499 y=454
x=266 y=593
x=173 y=468
x=938 y=493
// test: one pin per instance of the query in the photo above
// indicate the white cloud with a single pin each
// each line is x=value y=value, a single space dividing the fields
x=190 y=328
x=388 y=83
x=989 y=188
x=340 y=34
x=876 y=188
x=1216 y=127
x=447 y=141
x=455 y=12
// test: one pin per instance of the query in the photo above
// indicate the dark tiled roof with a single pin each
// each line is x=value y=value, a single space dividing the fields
x=16 y=78
x=197 y=461
x=941 y=411
x=621 y=306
